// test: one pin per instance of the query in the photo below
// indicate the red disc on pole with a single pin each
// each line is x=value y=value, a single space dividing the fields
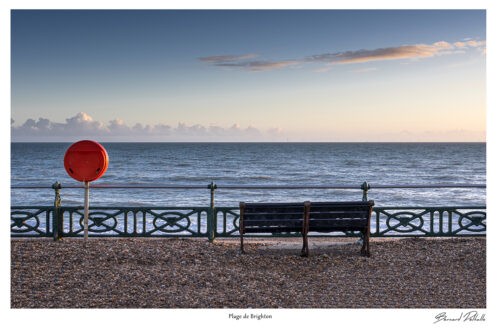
x=86 y=160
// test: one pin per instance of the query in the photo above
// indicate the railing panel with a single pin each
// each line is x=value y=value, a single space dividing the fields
x=28 y=221
x=136 y=221
x=429 y=221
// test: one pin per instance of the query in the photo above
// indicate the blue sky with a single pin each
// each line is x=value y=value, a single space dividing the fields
x=302 y=75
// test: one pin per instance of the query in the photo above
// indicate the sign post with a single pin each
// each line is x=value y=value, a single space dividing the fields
x=86 y=161
x=86 y=211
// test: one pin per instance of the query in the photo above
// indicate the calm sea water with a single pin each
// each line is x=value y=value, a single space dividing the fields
x=266 y=164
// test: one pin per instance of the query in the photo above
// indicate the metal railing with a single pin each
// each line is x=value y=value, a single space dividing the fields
x=210 y=221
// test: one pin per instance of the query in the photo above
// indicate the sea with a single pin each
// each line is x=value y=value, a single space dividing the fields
x=239 y=169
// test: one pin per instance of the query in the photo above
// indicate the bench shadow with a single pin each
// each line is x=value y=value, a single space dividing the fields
x=331 y=250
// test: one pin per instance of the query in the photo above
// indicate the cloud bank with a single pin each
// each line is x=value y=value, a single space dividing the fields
x=83 y=126
x=416 y=51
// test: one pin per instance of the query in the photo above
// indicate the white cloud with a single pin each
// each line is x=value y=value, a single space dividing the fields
x=442 y=45
x=83 y=126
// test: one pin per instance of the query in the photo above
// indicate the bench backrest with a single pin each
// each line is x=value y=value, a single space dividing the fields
x=339 y=216
x=271 y=217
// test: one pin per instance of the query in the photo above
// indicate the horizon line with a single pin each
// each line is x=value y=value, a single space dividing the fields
x=221 y=142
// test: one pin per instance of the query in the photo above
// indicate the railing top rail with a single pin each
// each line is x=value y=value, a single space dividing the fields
x=257 y=187
x=353 y=187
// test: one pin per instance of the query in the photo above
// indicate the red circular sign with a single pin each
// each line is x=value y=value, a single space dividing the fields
x=86 y=160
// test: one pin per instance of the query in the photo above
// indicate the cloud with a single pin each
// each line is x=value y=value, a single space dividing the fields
x=258 y=65
x=415 y=51
x=227 y=58
x=83 y=126
x=442 y=45
x=388 y=53
x=470 y=43
x=81 y=122
x=237 y=61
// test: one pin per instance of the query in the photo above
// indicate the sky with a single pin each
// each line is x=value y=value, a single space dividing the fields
x=248 y=75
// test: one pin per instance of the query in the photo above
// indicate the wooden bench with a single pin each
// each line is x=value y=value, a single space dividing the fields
x=304 y=217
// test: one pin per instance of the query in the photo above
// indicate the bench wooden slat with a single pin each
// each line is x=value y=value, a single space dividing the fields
x=273 y=204
x=338 y=215
x=274 y=230
x=342 y=219
x=249 y=218
x=343 y=204
x=338 y=208
x=337 y=225
x=330 y=230
x=274 y=210
x=265 y=221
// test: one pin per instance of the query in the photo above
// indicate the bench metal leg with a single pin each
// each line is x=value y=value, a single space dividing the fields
x=305 y=246
x=242 y=251
x=365 y=250
x=367 y=243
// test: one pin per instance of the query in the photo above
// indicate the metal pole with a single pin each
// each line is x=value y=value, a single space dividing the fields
x=86 y=211
x=211 y=216
x=56 y=220
x=365 y=187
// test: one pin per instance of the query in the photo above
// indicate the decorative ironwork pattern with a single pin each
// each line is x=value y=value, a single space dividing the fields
x=228 y=221
x=136 y=221
x=31 y=221
x=39 y=221
x=429 y=221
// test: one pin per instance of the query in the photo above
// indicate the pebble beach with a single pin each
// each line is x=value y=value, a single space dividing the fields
x=193 y=273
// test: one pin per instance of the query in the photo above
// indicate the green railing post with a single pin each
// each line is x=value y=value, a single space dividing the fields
x=211 y=223
x=365 y=187
x=57 y=225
